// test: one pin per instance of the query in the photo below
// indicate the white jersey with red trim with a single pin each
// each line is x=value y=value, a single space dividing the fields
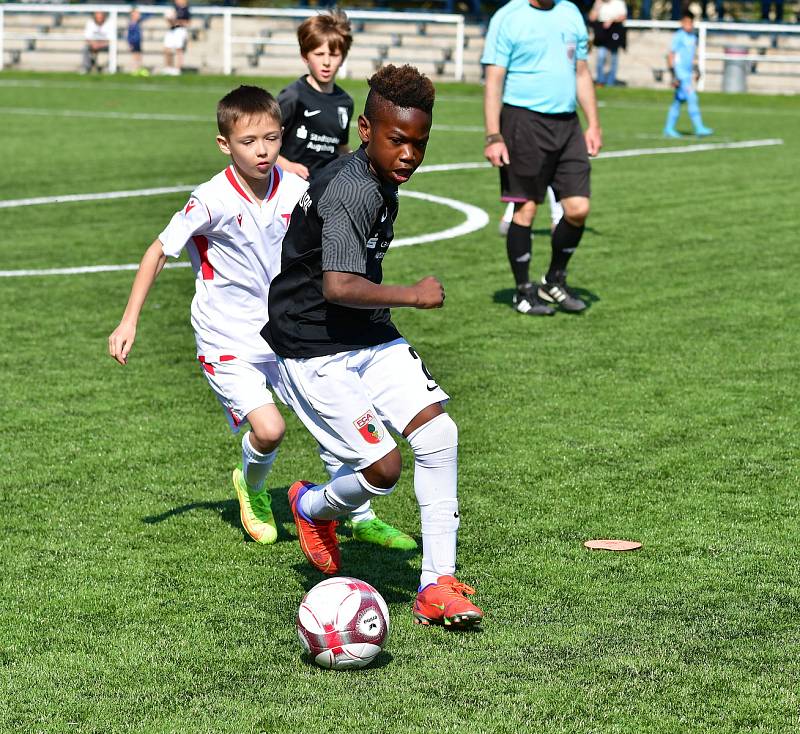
x=234 y=245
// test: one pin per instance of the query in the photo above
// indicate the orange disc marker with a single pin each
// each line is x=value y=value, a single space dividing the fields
x=613 y=545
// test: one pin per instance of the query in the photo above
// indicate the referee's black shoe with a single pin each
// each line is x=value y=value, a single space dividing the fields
x=555 y=290
x=526 y=301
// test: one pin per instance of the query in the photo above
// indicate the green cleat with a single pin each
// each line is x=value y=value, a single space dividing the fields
x=255 y=511
x=378 y=532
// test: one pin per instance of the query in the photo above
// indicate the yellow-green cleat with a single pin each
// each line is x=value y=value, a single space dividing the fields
x=380 y=533
x=255 y=510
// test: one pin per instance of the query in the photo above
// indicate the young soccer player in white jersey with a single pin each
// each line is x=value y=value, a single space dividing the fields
x=346 y=371
x=232 y=228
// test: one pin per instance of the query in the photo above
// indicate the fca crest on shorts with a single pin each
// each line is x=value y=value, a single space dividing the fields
x=369 y=427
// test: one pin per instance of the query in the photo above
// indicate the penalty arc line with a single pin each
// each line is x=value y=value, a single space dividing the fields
x=476 y=218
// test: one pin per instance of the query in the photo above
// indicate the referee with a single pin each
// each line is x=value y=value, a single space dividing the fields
x=535 y=57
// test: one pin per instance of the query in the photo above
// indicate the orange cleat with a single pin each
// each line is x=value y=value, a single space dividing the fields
x=317 y=539
x=445 y=603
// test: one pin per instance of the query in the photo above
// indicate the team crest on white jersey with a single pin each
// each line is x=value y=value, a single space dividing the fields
x=342 y=112
x=369 y=427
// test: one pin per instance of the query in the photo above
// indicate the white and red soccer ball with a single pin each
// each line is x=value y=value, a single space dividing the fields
x=343 y=623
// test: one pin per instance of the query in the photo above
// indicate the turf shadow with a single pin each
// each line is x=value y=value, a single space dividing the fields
x=381 y=661
x=504 y=295
x=391 y=572
x=228 y=511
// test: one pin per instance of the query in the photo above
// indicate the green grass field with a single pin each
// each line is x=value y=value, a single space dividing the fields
x=130 y=601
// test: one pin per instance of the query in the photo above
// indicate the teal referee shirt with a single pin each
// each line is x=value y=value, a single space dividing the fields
x=539 y=50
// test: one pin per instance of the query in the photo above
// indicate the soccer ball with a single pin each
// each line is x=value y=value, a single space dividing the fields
x=343 y=623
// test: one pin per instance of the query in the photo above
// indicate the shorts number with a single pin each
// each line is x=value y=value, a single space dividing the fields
x=425 y=372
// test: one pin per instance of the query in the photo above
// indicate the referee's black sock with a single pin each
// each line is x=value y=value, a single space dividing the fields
x=566 y=238
x=518 y=246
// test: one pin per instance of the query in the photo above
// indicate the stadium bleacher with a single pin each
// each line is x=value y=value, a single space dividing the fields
x=52 y=40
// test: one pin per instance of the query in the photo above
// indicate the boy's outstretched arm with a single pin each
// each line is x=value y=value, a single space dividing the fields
x=121 y=340
x=349 y=289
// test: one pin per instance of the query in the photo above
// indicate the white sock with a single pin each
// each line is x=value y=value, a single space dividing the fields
x=341 y=495
x=509 y=212
x=436 y=483
x=255 y=466
x=332 y=466
x=556 y=210
x=363 y=513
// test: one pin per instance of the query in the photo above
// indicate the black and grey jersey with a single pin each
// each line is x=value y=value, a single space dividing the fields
x=343 y=223
x=315 y=124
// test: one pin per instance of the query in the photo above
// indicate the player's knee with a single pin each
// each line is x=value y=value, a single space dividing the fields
x=577 y=212
x=267 y=435
x=524 y=214
x=438 y=435
x=384 y=473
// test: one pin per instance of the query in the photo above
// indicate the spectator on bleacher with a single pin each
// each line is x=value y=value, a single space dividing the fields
x=97 y=33
x=719 y=9
x=536 y=74
x=765 y=5
x=608 y=22
x=135 y=43
x=177 y=37
x=316 y=112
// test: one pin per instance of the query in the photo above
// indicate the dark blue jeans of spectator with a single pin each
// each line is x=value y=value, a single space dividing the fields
x=607 y=78
x=644 y=9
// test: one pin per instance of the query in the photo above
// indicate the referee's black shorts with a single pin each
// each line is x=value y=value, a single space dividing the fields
x=545 y=150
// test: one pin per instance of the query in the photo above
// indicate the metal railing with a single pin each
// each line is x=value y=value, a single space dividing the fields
x=229 y=40
x=703 y=28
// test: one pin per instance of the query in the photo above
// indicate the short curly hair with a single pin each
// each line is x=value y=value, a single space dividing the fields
x=401 y=86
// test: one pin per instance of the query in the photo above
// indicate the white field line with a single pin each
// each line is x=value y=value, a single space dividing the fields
x=630 y=153
x=192 y=89
x=143 y=116
x=103 y=196
x=159 y=117
x=436 y=168
x=476 y=218
x=82 y=270
x=696 y=148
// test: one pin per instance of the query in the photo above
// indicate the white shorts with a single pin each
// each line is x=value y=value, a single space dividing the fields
x=241 y=386
x=349 y=400
x=176 y=38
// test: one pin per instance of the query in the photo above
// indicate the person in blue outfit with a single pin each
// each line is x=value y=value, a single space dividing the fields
x=537 y=73
x=681 y=63
x=135 y=43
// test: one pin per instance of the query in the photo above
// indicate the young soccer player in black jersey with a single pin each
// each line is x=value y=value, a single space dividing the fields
x=316 y=112
x=316 y=118
x=348 y=374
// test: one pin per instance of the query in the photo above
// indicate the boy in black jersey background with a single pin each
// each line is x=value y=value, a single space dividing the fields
x=316 y=112
x=347 y=372
x=316 y=116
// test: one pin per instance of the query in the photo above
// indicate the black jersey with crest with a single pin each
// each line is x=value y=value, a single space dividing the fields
x=315 y=124
x=343 y=223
